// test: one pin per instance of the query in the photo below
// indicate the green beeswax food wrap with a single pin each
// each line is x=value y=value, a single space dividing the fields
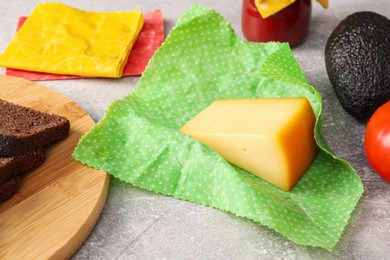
x=202 y=60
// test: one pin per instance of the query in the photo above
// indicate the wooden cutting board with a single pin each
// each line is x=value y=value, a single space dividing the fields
x=59 y=202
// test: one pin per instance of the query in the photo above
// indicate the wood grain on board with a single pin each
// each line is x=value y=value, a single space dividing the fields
x=59 y=202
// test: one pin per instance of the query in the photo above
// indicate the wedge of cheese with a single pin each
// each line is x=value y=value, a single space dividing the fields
x=270 y=7
x=267 y=8
x=272 y=138
x=324 y=3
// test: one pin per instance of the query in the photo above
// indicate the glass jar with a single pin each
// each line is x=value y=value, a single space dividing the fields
x=291 y=24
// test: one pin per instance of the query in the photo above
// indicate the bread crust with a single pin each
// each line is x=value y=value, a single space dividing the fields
x=9 y=188
x=14 y=166
x=24 y=129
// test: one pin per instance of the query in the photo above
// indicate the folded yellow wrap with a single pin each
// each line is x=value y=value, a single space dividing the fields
x=270 y=7
x=64 y=40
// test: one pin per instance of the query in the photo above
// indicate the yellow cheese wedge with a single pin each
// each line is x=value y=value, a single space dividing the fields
x=267 y=8
x=64 y=40
x=270 y=7
x=272 y=138
x=324 y=3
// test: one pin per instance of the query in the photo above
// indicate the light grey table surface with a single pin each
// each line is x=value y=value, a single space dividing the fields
x=137 y=224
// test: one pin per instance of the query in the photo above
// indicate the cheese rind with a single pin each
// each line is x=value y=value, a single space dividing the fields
x=272 y=138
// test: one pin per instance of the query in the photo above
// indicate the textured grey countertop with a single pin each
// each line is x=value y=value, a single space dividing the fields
x=137 y=224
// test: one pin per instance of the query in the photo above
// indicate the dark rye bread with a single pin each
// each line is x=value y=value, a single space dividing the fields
x=24 y=129
x=9 y=188
x=13 y=166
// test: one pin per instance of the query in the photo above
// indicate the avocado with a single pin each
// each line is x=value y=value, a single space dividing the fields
x=357 y=57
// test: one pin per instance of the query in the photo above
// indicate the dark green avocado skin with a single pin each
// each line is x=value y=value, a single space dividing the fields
x=357 y=57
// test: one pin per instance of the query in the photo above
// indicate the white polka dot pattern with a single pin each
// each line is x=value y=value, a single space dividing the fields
x=202 y=59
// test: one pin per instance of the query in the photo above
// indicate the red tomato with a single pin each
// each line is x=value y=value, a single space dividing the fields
x=377 y=141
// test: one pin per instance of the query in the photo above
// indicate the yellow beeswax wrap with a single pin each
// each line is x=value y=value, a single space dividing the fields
x=64 y=40
x=270 y=7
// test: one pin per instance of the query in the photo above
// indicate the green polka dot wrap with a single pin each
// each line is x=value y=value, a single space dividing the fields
x=202 y=60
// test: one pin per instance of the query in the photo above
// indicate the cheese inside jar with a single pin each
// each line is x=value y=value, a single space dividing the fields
x=277 y=20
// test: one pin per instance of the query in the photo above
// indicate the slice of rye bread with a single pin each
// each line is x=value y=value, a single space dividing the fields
x=9 y=188
x=24 y=129
x=13 y=166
